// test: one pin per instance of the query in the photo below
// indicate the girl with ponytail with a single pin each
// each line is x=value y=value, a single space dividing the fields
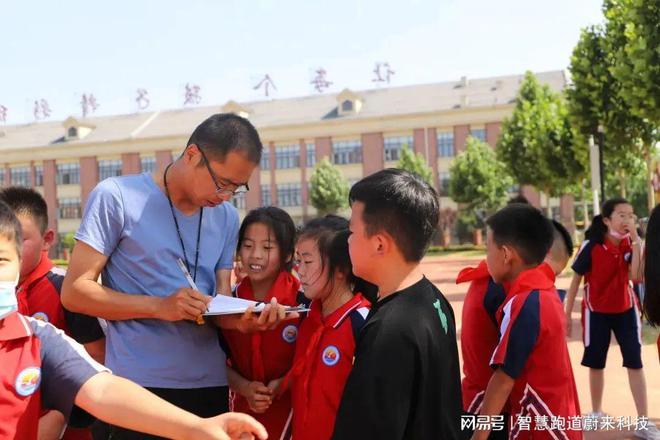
x=608 y=260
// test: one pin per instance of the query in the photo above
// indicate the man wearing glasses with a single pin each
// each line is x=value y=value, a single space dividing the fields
x=133 y=231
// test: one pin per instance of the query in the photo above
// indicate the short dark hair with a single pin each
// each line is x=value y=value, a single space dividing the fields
x=524 y=228
x=282 y=226
x=331 y=235
x=28 y=202
x=222 y=133
x=519 y=199
x=565 y=236
x=10 y=227
x=401 y=204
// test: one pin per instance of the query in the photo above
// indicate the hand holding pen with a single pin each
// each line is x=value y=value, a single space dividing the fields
x=192 y=303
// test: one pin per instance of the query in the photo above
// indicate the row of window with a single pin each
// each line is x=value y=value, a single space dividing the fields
x=288 y=194
x=350 y=152
x=288 y=156
x=69 y=208
x=69 y=173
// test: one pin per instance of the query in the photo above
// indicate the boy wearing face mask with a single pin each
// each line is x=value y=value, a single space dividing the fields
x=608 y=260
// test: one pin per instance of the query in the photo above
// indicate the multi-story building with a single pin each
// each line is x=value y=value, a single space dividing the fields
x=360 y=131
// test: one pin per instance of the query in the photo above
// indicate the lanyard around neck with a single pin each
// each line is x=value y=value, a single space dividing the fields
x=178 y=231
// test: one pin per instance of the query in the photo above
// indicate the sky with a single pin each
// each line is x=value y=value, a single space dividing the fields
x=59 y=51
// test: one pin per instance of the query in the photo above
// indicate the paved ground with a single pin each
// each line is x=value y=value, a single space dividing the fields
x=617 y=400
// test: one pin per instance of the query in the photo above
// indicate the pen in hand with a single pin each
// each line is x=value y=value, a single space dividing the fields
x=191 y=283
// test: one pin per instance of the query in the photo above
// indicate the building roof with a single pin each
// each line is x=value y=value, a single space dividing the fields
x=375 y=103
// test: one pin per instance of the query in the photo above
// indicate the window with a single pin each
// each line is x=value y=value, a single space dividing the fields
x=347 y=106
x=265 y=195
x=109 y=168
x=444 y=178
x=311 y=155
x=20 y=176
x=239 y=201
x=148 y=164
x=2 y=177
x=69 y=208
x=345 y=152
x=39 y=175
x=73 y=132
x=265 y=160
x=288 y=194
x=446 y=144
x=67 y=174
x=287 y=156
x=393 y=146
x=479 y=133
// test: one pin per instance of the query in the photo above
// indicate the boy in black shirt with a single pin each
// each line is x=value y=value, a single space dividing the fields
x=405 y=383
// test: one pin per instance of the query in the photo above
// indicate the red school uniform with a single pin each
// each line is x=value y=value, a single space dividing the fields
x=479 y=332
x=532 y=350
x=606 y=275
x=38 y=296
x=264 y=356
x=323 y=361
x=39 y=365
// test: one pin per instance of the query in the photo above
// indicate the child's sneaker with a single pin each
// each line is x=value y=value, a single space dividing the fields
x=648 y=432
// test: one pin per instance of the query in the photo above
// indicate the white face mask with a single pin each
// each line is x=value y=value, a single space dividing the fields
x=618 y=235
x=8 y=301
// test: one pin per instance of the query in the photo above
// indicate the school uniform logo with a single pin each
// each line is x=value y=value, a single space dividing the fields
x=330 y=355
x=290 y=333
x=28 y=381
x=41 y=316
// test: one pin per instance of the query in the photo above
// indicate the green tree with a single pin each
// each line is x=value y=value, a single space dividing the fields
x=633 y=39
x=637 y=60
x=69 y=241
x=478 y=180
x=416 y=164
x=329 y=188
x=537 y=142
x=595 y=99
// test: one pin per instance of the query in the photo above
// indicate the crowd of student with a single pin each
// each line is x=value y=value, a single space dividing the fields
x=375 y=357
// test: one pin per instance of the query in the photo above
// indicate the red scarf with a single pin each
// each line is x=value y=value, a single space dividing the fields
x=285 y=289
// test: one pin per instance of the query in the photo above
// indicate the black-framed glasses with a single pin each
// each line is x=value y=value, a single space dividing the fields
x=223 y=189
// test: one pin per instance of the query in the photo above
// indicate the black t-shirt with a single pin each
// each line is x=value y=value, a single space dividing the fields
x=405 y=383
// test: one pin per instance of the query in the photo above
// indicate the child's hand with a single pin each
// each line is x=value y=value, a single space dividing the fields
x=259 y=396
x=632 y=228
x=569 y=324
x=274 y=386
x=230 y=426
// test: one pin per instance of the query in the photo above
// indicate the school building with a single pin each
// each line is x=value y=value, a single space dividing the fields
x=359 y=131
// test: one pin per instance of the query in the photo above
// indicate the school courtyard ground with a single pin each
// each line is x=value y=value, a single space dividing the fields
x=617 y=400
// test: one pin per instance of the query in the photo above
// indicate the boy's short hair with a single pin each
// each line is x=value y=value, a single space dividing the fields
x=401 y=204
x=525 y=228
x=561 y=233
x=518 y=199
x=28 y=202
x=10 y=227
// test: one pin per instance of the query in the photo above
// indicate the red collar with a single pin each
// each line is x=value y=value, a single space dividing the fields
x=473 y=273
x=609 y=245
x=14 y=326
x=540 y=277
x=44 y=266
x=335 y=318
x=283 y=284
